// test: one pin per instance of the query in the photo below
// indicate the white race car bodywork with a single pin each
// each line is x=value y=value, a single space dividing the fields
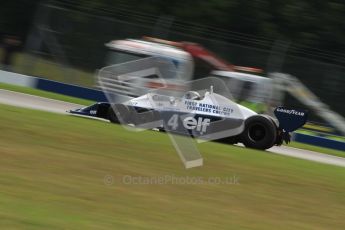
x=209 y=117
x=211 y=104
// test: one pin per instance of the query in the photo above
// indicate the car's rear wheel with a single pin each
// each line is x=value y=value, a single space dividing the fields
x=259 y=133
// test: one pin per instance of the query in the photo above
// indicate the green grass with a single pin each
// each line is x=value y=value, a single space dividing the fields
x=50 y=69
x=53 y=166
x=46 y=94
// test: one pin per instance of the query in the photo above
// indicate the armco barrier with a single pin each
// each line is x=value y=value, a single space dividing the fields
x=17 y=79
x=70 y=90
x=97 y=95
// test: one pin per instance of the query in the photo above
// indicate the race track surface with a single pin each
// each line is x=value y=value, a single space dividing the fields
x=51 y=105
x=308 y=155
x=35 y=102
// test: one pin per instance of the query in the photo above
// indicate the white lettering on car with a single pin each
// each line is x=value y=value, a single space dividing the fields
x=292 y=111
x=200 y=124
x=190 y=123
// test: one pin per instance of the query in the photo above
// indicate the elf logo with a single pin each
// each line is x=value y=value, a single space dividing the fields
x=200 y=124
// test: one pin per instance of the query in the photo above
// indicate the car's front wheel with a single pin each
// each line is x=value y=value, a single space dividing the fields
x=259 y=133
x=112 y=116
x=119 y=113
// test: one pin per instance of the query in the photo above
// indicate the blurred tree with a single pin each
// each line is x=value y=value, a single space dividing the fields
x=16 y=16
x=316 y=24
x=310 y=24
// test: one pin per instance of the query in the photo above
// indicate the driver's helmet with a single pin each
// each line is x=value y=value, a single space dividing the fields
x=192 y=95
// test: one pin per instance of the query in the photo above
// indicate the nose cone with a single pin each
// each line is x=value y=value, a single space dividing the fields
x=87 y=111
x=74 y=111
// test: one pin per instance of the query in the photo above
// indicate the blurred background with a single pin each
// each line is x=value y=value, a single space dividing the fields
x=64 y=40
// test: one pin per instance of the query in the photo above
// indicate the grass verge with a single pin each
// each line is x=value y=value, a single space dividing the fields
x=48 y=68
x=64 y=172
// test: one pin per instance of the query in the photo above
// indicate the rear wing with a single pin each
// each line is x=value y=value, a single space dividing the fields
x=290 y=120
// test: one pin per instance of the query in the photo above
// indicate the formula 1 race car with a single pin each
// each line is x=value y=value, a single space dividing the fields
x=209 y=117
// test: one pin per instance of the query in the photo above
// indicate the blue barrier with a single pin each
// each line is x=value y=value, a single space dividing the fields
x=70 y=90
x=319 y=141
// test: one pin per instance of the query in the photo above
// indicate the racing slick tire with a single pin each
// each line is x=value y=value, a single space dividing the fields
x=112 y=116
x=122 y=111
x=259 y=133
